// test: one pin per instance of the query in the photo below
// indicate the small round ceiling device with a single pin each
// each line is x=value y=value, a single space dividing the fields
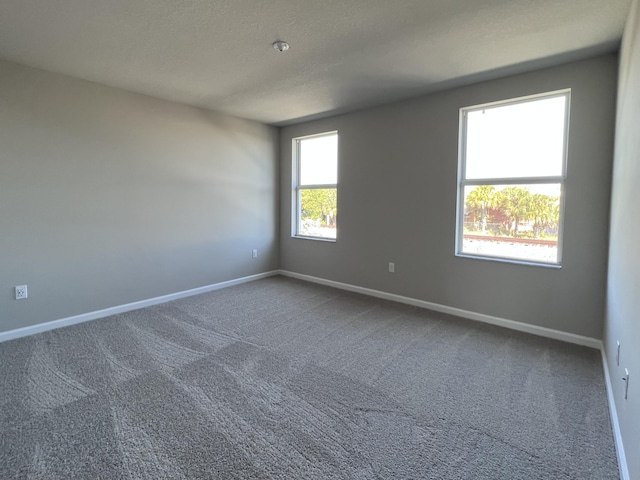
x=280 y=45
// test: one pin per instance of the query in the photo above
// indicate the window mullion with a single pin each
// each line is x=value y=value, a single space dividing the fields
x=319 y=186
x=512 y=181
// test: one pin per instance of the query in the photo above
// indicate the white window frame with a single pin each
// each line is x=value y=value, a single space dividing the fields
x=463 y=182
x=297 y=189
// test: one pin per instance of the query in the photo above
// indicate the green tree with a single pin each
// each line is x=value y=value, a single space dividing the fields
x=319 y=204
x=545 y=212
x=514 y=203
x=480 y=200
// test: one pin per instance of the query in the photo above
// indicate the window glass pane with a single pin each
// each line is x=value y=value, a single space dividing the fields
x=318 y=212
x=518 y=140
x=319 y=160
x=512 y=221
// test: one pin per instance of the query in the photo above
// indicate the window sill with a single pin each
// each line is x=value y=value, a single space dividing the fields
x=555 y=266
x=319 y=239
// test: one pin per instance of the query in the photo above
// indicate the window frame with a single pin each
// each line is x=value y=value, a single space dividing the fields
x=297 y=188
x=463 y=182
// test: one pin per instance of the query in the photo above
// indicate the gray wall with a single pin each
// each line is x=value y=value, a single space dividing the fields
x=109 y=197
x=623 y=292
x=397 y=202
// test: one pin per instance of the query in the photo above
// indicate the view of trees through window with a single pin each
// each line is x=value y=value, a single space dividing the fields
x=316 y=163
x=514 y=220
x=318 y=212
x=511 y=175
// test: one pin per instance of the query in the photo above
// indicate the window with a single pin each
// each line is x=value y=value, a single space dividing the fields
x=315 y=180
x=511 y=179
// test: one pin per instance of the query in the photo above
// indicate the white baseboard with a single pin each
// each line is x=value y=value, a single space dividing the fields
x=481 y=317
x=85 y=317
x=615 y=425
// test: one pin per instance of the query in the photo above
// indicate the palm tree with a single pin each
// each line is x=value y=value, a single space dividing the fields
x=515 y=202
x=545 y=212
x=481 y=198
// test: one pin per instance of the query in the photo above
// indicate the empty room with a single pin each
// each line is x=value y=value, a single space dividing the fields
x=319 y=240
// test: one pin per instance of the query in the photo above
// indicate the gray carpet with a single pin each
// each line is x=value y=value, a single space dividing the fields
x=284 y=379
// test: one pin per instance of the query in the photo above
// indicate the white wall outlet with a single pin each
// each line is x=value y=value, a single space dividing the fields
x=392 y=267
x=21 y=292
x=254 y=253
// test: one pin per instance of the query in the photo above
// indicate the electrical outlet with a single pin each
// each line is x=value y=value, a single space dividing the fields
x=392 y=267
x=254 y=253
x=21 y=292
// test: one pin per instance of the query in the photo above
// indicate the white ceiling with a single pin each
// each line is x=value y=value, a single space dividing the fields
x=345 y=54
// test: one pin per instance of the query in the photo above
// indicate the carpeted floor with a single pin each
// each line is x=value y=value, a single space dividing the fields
x=284 y=379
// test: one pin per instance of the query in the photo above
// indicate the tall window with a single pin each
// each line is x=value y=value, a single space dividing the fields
x=511 y=179
x=315 y=179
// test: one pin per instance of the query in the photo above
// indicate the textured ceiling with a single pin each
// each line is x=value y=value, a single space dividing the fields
x=344 y=54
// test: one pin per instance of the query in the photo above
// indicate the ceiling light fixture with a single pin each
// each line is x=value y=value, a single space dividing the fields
x=280 y=45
